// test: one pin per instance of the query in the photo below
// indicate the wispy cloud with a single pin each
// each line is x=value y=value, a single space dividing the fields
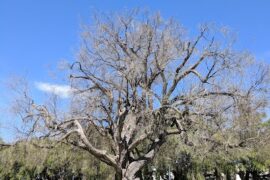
x=63 y=91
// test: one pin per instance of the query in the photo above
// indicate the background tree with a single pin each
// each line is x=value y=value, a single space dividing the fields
x=139 y=79
x=37 y=159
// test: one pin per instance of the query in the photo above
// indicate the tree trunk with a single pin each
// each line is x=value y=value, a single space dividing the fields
x=131 y=172
x=118 y=176
x=122 y=176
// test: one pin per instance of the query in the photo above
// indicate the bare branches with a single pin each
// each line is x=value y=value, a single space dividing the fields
x=103 y=155
x=139 y=79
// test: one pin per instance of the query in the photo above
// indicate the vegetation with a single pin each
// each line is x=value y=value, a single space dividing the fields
x=38 y=160
x=145 y=93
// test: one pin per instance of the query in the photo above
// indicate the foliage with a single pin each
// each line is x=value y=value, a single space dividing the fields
x=28 y=161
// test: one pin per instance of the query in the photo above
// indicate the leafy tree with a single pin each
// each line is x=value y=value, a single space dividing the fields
x=37 y=160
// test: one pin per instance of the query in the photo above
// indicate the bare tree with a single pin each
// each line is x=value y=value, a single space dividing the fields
x=140 y=79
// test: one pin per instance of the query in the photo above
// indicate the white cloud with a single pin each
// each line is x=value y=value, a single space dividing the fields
x=63 y=91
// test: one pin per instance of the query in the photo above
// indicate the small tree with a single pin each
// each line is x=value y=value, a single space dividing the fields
x=139 y=79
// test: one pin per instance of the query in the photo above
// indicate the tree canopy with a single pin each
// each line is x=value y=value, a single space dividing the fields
x=139 y=79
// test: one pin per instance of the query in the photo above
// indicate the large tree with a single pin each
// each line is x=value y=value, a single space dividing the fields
x=139 y=79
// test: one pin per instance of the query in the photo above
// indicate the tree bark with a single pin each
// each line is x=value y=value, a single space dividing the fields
x=118 y=176
x=125 y=176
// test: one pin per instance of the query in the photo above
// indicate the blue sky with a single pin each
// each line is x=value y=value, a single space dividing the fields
x=36 y=34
